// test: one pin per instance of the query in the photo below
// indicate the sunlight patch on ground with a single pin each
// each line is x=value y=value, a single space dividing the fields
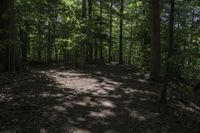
x=67 y=104
x=81 y=103
x=71 y=129
x=189 y=107
x=107 y=103
x=46 y=94
x=102 y=114
x=142 y=81
x=130 y=90
x=143 y=117
x=7 y=97
x=137 y=115
x=81 y=119
x=43 y=131
x=2 y=97
x=83 y=83
x=88 y=102
x=59 y=108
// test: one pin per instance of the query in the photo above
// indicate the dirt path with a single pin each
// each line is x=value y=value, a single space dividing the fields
x=103 y=99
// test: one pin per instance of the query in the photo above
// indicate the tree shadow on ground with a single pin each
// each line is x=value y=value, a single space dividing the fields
x=103 y=99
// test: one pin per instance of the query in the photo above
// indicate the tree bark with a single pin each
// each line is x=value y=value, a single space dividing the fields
x=110 y=40
x=49 y=45
x=10 y=55
x=130 y=48
x=90 y=31
x=24 y=39
x=83 y=47
x=197 y=87
x=155 y=40
x=101 y=30
x=121 y=33
x=3 y=5
x=171 y=41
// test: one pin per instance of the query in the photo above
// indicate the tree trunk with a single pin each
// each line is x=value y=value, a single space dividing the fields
x=130 y=49
x=82 y=47
x=95 y=50
x=10 y=56
x=3 y=29
x=49 y=45
x=24 y=39
x=101 y=30
x=110 y=41
x=197 y=87
x=155 y=40
x=39 y=48
x=64 y=56
x=171 y=41
x=54 y=41
x=121 y=33
x=90 y=31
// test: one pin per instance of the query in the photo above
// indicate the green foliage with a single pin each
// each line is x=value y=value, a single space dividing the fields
x=59 y=26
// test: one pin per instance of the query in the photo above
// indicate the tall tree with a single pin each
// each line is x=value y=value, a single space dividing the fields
x=90 y=31
x=82 y=48
x=155 y=39
x=130 y=48
x=121 y=33
x=171 y=41
x=101 y=30
x=110 y=40
x=49 y=43
x=24 y=39
x=10 y=59
x=40 y=41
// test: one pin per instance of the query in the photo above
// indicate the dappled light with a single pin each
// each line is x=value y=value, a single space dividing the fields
x=99 y=66
x=89 y=101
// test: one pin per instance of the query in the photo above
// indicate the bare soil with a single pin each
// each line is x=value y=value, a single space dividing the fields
x=95 y=99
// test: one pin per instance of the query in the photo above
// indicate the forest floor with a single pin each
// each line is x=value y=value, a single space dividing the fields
x=96 y=99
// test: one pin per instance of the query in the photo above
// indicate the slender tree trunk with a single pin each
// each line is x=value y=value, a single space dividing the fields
x=130 y=49
x=54 y=41
x=95 y=50
x=64 y=56
x=110 y=41
x=121 y=33
x=49 y=41
x=49 y=45
x=24 y=39
x=171 y=41
x=84 y=10
x=56 y=54
x=39 y=48
x=83 y=47
x=101 y=30
x=191 y=36
x=155 y=40
x=197 y=87
x=90 y=31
